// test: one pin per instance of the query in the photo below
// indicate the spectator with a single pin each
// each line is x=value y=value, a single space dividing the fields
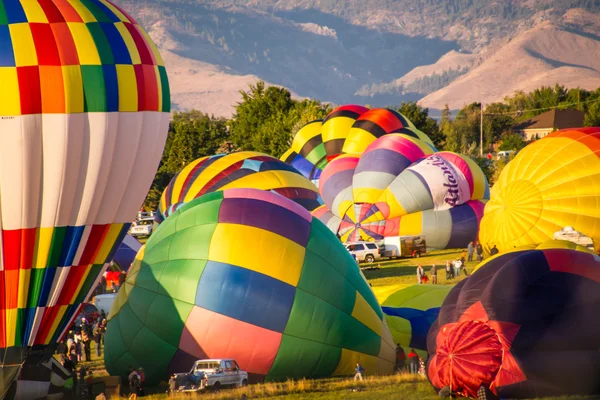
x=62 y=351
x=97 y=339
x=400 y=357
x=173 y=385
x=463 y=254
x=420 y=273
x=457 y=265
x=494 y=251
x=359 y=371
x=103 y=284
x=102 y=331
x=86 y=342
x=479 y=252
x=413 y=361
x=470 y=250
x=134 y=384
x=433 y=273
x=448 y=270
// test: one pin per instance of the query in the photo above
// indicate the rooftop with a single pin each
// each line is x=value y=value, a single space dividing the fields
x=554 y=119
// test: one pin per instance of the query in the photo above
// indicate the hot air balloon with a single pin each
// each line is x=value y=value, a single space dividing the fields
x=552 y=183
x=250 y=275
x=410 y=312
x=400 y=186
x=523 y=325
x=84 y=115
x=347 y=129
x=246 y=169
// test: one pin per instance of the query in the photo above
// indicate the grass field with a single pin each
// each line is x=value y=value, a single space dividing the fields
x=404 y=270
x=399 y=386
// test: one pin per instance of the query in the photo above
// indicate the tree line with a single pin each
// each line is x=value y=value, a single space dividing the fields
x=267 y=118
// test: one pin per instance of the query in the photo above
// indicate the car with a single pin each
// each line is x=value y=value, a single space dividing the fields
x=213 y=373
x=142 y=227
x=506 y=154
x=364 y=251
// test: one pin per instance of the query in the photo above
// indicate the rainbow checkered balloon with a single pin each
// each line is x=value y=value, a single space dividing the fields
x=250 y=275
x=84 y=114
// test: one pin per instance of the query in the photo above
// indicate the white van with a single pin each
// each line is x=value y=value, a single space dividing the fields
x=505 y=154
x=364 y=251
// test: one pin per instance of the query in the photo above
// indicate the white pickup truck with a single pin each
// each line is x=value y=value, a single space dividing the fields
x=212 y=373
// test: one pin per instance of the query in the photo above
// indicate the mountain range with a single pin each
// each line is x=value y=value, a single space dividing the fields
x=377 y=52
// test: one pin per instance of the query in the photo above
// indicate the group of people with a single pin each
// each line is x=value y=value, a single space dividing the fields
x=416 y=365
x=454 y=268
x=76 y=348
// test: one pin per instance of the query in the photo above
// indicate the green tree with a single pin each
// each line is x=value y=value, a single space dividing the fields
x=419 y=116
x=592 y=116
x=265 y=119
x=512 y=141
x=191 y=135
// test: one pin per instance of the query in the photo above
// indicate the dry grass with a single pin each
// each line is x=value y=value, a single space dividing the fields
x=332 y=388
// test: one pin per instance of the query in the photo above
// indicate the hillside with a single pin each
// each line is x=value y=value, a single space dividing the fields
x=377 y=52
x=542 y=56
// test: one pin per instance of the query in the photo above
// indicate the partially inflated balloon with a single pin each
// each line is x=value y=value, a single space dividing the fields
x=411 y=311
x=307 y=153
x=513 y=324
x=348 y=129
x=376 y=123
x=249 y=275
x=84 y=114
x=246 y=169
x=400 y=187
x=553 y=183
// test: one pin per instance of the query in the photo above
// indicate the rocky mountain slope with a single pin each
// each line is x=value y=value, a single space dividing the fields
x=378 y=52
x=542 y=56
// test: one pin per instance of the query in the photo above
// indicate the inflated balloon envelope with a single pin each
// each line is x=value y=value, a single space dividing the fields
x=84 y=115
x=244 y=169
x=552 y=183
x=250 y=275
x=524 y=324
x=400 y=186
x=348 y=129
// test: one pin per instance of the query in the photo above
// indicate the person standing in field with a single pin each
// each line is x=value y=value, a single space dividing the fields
x=433 y=274
x=479 y=252
x=413 y=361
x=420 y=274
x=359 y=371
x=470 y=250
x=400 y=358
x=448 y=270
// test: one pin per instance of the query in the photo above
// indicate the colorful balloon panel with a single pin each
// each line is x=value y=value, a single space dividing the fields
x=336 y=128
x=400 y=186
x=84 y=115
x=245 y=169
x=348 y=129
x=307 y=153
x=410 y=311
x=376 y=123
x=126 y=252
x=226 y=276
x=552 y=183
x=510 y=326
